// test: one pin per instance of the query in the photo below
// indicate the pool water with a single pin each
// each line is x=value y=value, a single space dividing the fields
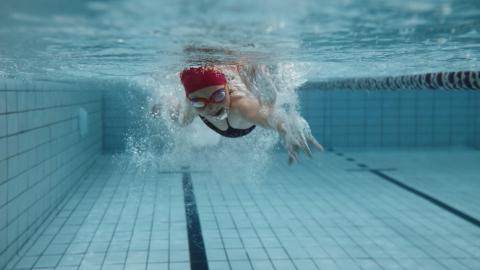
x=89 y=180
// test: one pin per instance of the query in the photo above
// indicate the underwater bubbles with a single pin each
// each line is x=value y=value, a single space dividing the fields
x=160 y=141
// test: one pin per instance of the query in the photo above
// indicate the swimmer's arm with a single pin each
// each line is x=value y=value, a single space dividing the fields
x=184 y=113
x=259 y=114
x=265 y=116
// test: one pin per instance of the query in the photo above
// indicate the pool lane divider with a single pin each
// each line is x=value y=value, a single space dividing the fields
x=379 y=172
x=196 y=246
x=445 y=80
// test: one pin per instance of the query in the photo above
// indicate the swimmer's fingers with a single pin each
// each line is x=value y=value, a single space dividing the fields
x=155 y=112
x=306 y=149
x=291 y=159
x=308 y=152
x=312 y=140
x=292 y=153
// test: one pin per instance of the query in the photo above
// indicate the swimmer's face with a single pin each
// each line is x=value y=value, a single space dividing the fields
x=214 y=96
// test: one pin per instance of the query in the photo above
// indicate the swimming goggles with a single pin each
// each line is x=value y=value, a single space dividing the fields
x=216 y=97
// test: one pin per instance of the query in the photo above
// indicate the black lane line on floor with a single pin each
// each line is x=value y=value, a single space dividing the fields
x=366 y=170
x=198 y=256
x=429 y=198
x=425 y=196
x=183 y=171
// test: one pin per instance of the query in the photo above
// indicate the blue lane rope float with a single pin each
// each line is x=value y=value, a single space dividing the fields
x=455 y=80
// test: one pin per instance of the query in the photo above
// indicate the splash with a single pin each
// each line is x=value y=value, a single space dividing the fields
x=169 y=146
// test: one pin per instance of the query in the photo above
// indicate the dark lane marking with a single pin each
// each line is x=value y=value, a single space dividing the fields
x=367 y=169
x=182 y=171
x=429 y=198
x=423 y=195
x=198 y=256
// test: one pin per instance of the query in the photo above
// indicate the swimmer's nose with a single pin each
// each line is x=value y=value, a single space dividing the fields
x=210 y=109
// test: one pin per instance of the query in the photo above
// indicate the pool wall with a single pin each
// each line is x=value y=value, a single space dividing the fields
x=357 y=119
x=50 y=135
x=52 y=132
x=404 y=118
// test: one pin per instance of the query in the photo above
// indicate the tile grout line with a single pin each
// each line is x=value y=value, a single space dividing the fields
x=112 y=199
x=56 y=212
x=222 y=238
x=403 y=235
x=466 y=217
x=137 y=210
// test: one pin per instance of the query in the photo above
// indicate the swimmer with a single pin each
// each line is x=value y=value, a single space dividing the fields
x=221 y=97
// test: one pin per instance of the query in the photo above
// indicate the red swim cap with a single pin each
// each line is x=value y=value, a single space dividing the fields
x=196 y=78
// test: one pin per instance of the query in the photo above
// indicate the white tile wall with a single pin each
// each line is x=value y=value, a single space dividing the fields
x=476 y=116
x=407 y=118
x=338 y=118
x=42 y=155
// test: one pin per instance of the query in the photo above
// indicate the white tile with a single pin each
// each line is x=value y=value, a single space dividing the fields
x=3 y=172
x=307 y=264
x=12 y=145
x=158 y=266
x=158 y=256
x=11 y=101
x=114 y=267
x=240 y=265
x=116 y=258
x=277 y=253
x=21 y=85
x=48 y=261
x=39 y=100
x=3 y=218
x=3 y=125
x=22 y=100
x=137 y=266
x=12 y=123
x=3 y=193
x=283 y=265
x=3 y=101
x=137 y=257
x=26 y=262
x=264 y=264
x=22 y=121
x=179 y=256
x=14 y=166
x=179 y=266
x=56 y=249
x=257 y=254
x=12 y=232
x=218 y=265
x=11 y=84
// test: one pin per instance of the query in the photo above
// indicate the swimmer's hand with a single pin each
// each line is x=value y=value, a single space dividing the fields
x=297 y=136
x=174 y=111
x=156 y=110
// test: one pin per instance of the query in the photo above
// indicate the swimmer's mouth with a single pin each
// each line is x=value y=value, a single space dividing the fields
x=219 y=112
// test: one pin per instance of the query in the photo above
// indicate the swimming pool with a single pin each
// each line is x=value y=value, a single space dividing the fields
x=89 y=181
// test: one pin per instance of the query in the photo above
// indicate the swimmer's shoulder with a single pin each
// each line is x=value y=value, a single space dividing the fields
x=240 y=94
x=242 y=101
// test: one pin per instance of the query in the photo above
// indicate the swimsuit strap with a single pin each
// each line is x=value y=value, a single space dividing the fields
x=230 y=132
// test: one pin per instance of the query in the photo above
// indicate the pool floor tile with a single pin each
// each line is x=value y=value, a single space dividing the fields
x=318 y=214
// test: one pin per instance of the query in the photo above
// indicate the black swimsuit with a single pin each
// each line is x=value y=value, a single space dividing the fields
x=230 y=132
